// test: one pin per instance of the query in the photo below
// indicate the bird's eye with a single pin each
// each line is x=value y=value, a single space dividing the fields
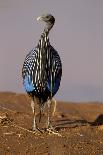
x=47 y=17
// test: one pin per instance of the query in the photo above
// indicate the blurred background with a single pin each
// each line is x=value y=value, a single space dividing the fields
x=77 y=35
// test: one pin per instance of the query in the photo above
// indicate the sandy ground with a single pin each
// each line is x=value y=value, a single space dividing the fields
x=80 y=128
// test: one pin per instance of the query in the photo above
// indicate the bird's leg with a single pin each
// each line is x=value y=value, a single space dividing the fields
x=48 y=115
x=51 y=110
x=34 y=115
x=53 y=106
x=50 y=129
x=35 y=128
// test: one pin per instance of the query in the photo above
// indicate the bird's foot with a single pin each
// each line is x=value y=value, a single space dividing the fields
x=36 y=130
x=51 y=130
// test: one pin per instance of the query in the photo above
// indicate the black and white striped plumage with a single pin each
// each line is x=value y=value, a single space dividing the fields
x=42 y=68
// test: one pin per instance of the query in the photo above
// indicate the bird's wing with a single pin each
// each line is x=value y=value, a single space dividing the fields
x=34 y=75
x=27 y=73
x=55 y=71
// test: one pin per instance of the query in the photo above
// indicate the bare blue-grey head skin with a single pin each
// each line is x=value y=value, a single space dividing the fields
x=42 y=71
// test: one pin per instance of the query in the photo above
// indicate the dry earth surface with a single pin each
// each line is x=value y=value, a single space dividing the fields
x=80 y=128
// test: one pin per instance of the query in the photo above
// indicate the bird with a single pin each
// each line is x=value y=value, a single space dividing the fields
x=42 y=72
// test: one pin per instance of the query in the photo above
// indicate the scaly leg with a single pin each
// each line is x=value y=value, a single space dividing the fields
x=50 y=129
x=34 y=115
x=53 y=106
x=48 y=115
x=35 y=128
x=51 y=110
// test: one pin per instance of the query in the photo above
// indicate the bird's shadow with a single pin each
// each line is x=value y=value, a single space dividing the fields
x=67 y=123
x=98 y=121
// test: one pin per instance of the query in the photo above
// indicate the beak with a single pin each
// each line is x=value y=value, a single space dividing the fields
x=39 y=18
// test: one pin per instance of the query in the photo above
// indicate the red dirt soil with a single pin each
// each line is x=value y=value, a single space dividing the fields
x=80 y=128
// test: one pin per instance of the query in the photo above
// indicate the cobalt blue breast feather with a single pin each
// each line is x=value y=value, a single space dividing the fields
x=27 y=84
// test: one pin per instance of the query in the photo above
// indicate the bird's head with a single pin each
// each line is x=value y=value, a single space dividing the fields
x=48 y=19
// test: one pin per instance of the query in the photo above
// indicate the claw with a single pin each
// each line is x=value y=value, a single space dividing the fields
x=36 y=130
x=53 y=131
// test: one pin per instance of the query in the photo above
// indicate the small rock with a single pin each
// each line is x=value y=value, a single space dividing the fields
x=4 y=119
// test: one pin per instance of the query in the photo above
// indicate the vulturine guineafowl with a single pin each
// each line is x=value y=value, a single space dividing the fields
x=42 y=71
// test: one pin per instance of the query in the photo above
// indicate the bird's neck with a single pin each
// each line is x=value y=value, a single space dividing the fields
x=46 y=31
x=44 y=39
